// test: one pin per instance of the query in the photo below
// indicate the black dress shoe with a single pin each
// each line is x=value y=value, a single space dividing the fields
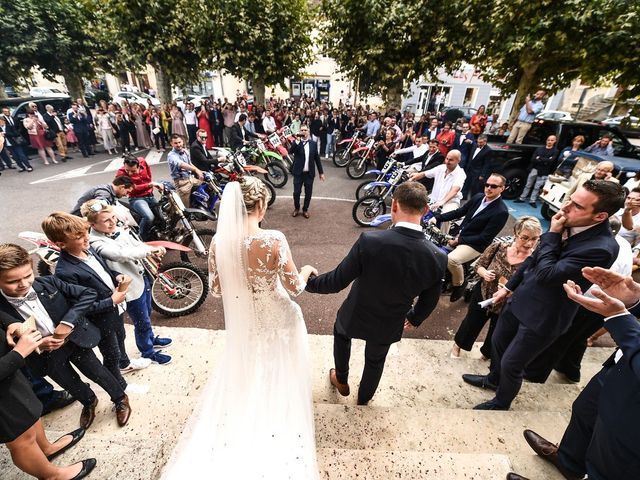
x=76 y=436
x=88 y=414
x=518 y=201
x=87 y=465
x=549 y=452
x=481 y=381
x=533 y=204
x=62 y=399
x=457 y=292
x=515 y=476
x=490 y=405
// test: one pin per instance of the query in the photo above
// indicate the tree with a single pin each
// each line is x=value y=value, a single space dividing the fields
x=383 y=45
x=521 y=45
x=264 y=41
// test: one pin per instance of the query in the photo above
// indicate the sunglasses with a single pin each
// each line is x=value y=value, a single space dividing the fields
x=203 y=137
x=99 y=206
x=492 y=185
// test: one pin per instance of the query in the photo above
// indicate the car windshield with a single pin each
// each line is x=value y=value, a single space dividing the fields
x=144 y=95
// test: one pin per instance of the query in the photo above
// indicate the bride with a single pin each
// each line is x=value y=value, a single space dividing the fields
x=256 y=417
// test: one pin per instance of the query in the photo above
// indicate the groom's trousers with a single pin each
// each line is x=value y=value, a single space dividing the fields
x=374 y=357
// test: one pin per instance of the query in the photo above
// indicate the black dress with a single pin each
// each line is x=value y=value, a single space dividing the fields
x=19 y=407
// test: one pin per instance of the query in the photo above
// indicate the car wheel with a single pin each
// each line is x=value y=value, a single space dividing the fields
x=546 y=212
x=516 y=180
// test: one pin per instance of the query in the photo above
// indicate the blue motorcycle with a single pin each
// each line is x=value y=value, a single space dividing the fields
x=366 y=188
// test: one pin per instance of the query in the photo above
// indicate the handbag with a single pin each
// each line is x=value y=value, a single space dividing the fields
x=50 y=135
x=156 y=130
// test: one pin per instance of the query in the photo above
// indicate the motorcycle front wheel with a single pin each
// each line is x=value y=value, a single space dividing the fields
x=272 y=193
x=361 y=191
x=356 y=167
x=276 y=174
x=341 y=157
x=181 y=291
x=194 y=257
x=368 y=208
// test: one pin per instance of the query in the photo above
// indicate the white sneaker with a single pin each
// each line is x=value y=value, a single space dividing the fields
x=136 y=364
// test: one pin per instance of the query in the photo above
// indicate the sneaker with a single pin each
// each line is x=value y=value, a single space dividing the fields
x=159 y=343
x=160 y=358
x=136 y=364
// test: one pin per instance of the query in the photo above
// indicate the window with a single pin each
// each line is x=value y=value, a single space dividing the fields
x=539 y=132
x=470 y=97
x=618 y=143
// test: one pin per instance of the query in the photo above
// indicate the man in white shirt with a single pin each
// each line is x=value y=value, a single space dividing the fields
x=268 y=123
x=447 y=185
x=191 y=121
x=630 y=217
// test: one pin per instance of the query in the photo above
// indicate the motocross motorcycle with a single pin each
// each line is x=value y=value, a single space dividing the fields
x=344 y=148
x=367 y=208
x=366 y=188
x=177 y=288
x=360 y=157
x=256 y=153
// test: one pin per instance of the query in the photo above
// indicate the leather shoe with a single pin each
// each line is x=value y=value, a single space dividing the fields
x=515 y=476
x=490 y=405
x=343 y=388
x=123 y=411
x=481 y=381
x=88 y=414
x=62 y=399
x=547 y=451
x=295 y=213
x=87 y=466
x=457 y=292
x=305 y=214
x=76 y=436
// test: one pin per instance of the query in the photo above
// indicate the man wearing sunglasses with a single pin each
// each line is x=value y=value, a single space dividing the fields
x=485 y=214
x=200 y=156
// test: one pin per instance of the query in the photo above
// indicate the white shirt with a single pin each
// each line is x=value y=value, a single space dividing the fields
x=417 y=151
x=475 y=152
x=93 y=263
x=306 y=156
x=629 y=235
x=269 y=124
x=623 y=264
x=44 y=324
x=443 y=182
x=412 y=226
x=190 y=117
x=484 y=204
x=237 y=117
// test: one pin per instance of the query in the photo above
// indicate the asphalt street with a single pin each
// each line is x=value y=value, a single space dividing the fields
x=322 y=241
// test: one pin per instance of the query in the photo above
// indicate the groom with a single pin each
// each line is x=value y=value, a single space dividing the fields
x=305 y=160
x=389 y=268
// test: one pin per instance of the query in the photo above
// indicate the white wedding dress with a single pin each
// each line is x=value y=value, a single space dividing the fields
x=256 y=419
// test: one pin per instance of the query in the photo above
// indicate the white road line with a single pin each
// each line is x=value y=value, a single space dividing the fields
x=334 y=199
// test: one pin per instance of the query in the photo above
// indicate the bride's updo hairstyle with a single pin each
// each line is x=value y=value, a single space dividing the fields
x=253 y=191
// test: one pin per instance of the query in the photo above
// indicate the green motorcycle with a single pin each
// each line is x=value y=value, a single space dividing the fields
x=256 y=153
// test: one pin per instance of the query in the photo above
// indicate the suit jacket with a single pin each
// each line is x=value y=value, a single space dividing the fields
x=389 y=269
x=464 y=147
x=80 y=123
x=71 y=269
x=478 y=231
x=235 y=136
x=11 y=131
x=480 y=166
x=50 y=120
x=297 y=150
x=201 y=157
x=63 y=302
x=538 y=299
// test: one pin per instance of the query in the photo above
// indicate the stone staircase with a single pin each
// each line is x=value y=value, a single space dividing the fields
x=419 y=424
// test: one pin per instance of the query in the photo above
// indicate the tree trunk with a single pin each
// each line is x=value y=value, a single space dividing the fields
x=74 y=84
x=164 y=86
x=393 y=94
x=3 y=94
x=258 y=91
x=526 y=84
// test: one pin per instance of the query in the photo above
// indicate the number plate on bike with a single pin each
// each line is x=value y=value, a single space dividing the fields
x=395 y=176
x=287 y=132
x=370 y=143
x=261 y=146
x=275 y=140
x=387 y=164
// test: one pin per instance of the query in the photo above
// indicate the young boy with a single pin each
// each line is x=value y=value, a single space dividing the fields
x=124 y=253
x=79 y=264
x=68 y=337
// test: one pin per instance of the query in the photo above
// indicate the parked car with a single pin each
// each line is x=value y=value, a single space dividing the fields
x=554 y=115
x=451 y=114
x=11 y=92
x=46 y=92
x=623 y=121
x=18 y=108
x=131 y=97
x=513 y=160
x=195 y=99
x=577 y=168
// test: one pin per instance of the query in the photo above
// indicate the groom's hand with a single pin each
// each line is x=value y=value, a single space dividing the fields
x=408 y=325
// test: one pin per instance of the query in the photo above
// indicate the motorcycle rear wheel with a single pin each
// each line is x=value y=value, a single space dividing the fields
x=272 y=192
x=192 y=288
x=368 y=208
x=277 y=174
x=356 y=168
x=200 y=260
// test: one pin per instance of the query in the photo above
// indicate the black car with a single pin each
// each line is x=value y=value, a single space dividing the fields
x=513 y=160
x=18 y=108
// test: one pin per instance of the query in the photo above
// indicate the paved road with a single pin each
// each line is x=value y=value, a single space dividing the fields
x=322 y=241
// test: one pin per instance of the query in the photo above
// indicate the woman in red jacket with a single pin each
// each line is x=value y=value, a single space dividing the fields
x=478 y=122
x=446 y=138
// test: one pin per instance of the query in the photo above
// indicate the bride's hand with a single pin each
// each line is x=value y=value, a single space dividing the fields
x=307 y=271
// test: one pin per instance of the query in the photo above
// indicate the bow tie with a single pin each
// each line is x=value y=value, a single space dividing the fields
x=113 y=235
x=17 y=302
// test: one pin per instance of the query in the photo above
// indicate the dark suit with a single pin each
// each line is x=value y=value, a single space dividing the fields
x=216 y=123
x=478 y=166
x=464 y=147
x=68 y=303
x=478 y=231
x=235 y=136
x=428 y=162
x=389 y=269
x=300 y=177
x=103 y=312
x=201 y=157
x=50 y=120
x=539 y=310
x=17 y=141
x=81 y=128
x=602 y=437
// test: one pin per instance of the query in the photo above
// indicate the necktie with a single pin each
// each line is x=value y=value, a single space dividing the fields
x=17 y=302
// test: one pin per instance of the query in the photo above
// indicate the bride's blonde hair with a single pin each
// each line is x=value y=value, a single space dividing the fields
x=253 y=191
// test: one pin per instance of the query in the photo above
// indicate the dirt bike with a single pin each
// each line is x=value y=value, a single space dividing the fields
x=360 y=157
x=256 y=153
x=344 y=148
x=366 y=188
x=368 y=208
x=177 y=288
x=280 y=142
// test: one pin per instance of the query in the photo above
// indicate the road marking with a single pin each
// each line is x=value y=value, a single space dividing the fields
x=335 y=199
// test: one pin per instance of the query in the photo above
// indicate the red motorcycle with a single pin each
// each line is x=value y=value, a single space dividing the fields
x=360 y=157
x=345 y=147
